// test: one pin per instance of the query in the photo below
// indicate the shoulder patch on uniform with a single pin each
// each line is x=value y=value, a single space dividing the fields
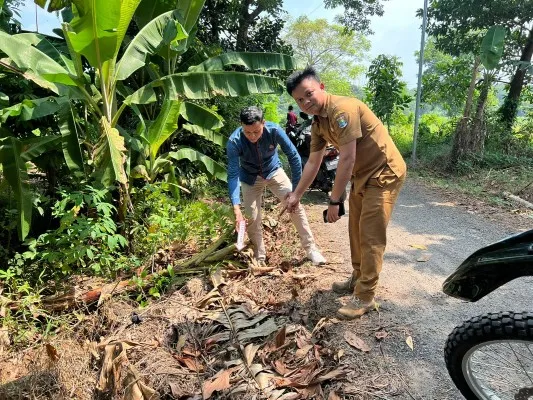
x=341 y=120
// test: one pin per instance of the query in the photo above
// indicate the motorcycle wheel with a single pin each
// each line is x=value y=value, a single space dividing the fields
x=491 y=356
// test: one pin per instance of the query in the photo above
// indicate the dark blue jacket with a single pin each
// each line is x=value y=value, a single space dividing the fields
x=247 y=160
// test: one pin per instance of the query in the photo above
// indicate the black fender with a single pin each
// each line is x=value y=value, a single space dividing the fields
x=491 y=267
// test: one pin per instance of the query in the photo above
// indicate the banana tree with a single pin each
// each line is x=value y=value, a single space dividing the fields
x=469 y=135
x=14 y=157
x=96 y=33
x=492 y=47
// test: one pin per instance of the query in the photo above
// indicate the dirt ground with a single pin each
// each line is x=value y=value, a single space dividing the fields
x=177 y=347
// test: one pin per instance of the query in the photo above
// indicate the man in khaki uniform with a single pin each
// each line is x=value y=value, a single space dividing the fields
x=370 y=160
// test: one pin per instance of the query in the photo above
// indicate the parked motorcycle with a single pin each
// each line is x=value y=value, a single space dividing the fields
x=490 y=356
x=301 y=138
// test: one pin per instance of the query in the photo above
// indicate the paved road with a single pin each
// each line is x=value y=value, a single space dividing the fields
x=410 y=291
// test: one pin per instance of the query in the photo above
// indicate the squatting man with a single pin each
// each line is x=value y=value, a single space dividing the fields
x=253 y=162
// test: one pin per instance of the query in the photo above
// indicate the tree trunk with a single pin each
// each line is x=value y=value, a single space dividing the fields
x=510 y=105
x=461 y=132
x=477 y=132
x=246 y=20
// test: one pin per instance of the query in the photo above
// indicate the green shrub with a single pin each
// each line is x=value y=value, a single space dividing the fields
x=160 y=220
x=86 y=241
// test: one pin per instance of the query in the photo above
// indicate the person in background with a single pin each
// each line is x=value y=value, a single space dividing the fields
x=292 y=120
x=253 y=161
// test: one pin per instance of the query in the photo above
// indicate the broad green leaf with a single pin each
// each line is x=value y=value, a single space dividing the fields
x=205 y=85
x=159 y=166
x=94 y=30
x=147 y=42
x=30 y=58
x=41 y=43
x=76 y=57
x=71 y=143
x=140 y=172
x=109 y=155
x=53 y=5
x=492 y=47
x=4 y=99
x=212 y=167
x=34 y=147
x=210 y=135
x=201 y=115
x=188 y=9
x=164 y=126
x=127 y=9
x=174 y=40
x=32 y=109
x=251 y=61
x=15 y=172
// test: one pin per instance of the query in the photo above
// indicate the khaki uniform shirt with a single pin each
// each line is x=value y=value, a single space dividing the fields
x=350 y=119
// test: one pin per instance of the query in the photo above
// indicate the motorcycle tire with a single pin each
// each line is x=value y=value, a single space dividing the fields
x=491 y=327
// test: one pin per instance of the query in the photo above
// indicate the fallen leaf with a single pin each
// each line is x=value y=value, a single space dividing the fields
x=381 y=334
x=107 y=368
x=424 y=257
x=52 y=352
x=190 y=363
x=281 y=368
x=290 y=396
x=217 y=279
x=409 y=341
x=340 y=354
x=280 y=337
x=419 y=246
x=333 y=396
x=300 y=277
x=301 y=353
x=209 y=298
x=136 y=389
x=275 y=394
x=262 y=270
x=249 y=353
x=336 y=373
x=353 y=340
x=176 y=390
x=216 y=384
x=312 y=392
x=181 y=342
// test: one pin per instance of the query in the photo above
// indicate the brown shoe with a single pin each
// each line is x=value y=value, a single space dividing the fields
x=356 y=308
x=346 y=286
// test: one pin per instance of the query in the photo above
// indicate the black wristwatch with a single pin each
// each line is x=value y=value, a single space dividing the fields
x=335 y=203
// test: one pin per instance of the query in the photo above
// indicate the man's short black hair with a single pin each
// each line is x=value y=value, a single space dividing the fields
x=298 y=76
x=291 y=108
x=251 y=114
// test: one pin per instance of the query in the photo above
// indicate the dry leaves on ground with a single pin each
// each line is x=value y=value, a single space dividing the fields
x=355 y=341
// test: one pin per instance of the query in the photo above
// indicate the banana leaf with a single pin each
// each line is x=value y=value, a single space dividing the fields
x=211 y=166
x=204 y=85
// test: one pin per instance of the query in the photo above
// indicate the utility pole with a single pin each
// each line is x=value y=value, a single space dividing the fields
x=419 y=87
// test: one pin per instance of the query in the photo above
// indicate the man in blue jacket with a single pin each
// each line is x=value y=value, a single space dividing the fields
x=253 y=161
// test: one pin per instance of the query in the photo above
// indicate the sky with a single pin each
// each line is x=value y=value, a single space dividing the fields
x=396 y=33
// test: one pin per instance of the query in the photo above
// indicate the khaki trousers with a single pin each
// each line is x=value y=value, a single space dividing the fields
x=280 y=185
x=370 y=212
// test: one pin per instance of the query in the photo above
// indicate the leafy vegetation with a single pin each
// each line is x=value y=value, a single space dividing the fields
x=112 y=131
